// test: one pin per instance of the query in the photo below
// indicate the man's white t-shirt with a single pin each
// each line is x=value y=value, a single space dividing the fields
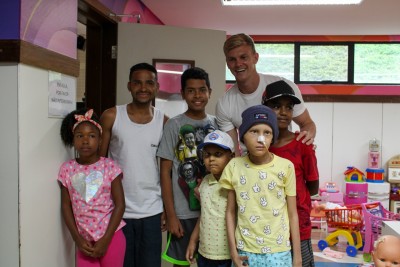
x=230 y=107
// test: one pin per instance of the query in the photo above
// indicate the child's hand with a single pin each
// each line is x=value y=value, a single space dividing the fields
x=240 y=261
x=163 y=222
x=297 y=262
x=191 y=249
x=196 y=189
x=100 y=247
x=174 y=226
x=84 y=246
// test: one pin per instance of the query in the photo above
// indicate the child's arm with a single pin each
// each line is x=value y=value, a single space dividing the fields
x=234 y=135
x=294 y=230
x=230 y=216
x=83 y=245
x=107 y=121
x=310 y=169
x=312 y=187
x=163 y=221
x=194 y=239
x=117 y=193
x=173 y=224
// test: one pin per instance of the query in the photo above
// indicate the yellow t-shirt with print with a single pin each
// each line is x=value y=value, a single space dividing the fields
x=213 y=237
x=261 y=191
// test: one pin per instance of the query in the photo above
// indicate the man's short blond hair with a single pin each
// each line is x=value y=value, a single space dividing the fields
x=237 y=40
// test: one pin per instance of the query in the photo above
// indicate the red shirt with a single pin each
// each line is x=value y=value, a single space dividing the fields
x=305 y=162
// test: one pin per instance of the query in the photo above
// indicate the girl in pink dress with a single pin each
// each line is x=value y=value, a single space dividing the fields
x=92 y=198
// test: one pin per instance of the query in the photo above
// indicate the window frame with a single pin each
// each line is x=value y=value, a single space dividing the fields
x=328 y=40
x=350 y=62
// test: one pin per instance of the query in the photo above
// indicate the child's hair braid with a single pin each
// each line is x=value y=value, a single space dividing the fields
x=67 y=135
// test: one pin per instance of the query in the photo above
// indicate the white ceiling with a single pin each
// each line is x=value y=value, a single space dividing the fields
x=371 y=17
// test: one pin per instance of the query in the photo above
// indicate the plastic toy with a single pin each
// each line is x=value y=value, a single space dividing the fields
x=348 y=222
x=374 y=213
x=355 y=193
x=375 y=175
x=331 y=253
x=386 y=251
x=395 y=190
x=353 y=174
x=374 y=154
x=394 y=169
x=329 y=187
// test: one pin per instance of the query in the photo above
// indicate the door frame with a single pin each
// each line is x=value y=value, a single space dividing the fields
x=101 y=64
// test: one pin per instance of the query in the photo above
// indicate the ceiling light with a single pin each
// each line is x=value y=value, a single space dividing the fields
x=288 y=2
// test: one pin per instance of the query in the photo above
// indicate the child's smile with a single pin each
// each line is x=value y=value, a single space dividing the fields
x=196 y=94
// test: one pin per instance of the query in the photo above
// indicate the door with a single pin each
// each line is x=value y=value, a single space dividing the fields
x=101 y=38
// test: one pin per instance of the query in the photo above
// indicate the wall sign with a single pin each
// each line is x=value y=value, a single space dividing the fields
x=62 y=94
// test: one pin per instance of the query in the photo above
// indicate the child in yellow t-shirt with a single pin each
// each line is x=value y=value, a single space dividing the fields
x=216 y=150
x=261 y=216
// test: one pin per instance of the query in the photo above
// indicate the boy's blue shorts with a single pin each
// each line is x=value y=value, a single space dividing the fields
x=269 y=259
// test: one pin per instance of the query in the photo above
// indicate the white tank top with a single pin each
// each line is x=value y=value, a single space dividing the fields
x=133 y=146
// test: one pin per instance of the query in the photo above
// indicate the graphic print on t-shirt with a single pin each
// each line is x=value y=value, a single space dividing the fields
x=191 y=168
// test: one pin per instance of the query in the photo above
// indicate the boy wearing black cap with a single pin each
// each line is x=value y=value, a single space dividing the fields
x=279 y=96
x=261 y=215
x=216 y=150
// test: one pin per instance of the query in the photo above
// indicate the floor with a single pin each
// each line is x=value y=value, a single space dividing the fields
x=322 y=260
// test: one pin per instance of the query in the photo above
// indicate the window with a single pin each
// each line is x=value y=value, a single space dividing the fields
x=229 y=76
x=377 y=63
x=330 y=62
x=323 y=63
x=276 y=59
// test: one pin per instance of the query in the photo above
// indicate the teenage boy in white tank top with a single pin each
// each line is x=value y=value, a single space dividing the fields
x=131 y=134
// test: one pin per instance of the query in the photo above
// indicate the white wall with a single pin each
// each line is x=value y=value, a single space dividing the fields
x=32 y=232
x=45 y=241
x=141 y=43
x=9 y=253
x=344 y=131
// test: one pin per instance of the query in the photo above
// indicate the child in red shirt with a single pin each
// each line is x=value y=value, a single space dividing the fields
x=279 y=96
